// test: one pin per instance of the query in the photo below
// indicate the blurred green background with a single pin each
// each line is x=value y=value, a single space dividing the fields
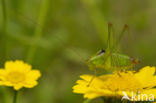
x=57 y=36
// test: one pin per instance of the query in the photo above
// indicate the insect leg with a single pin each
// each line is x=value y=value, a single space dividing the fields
x=117 y=63
x=121 y=35
x=113 y=64
x=95 y=73
x=109 y=41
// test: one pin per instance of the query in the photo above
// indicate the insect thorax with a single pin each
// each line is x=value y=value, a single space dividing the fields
x=112 y=62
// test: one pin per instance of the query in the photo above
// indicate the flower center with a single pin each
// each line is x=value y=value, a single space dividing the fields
x=16 y=77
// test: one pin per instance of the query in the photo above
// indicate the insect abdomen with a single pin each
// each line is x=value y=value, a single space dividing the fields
x=120 y=62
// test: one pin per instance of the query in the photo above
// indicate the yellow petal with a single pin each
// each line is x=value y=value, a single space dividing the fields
x=2 y=74
x=17 y=65
x=18 y=86
x=33 y=75
x=86 y=77
x=30 y=84
x=146 y=76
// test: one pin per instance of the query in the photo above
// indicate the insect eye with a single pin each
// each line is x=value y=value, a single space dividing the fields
x=101 y=52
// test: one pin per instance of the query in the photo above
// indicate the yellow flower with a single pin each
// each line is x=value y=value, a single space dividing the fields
x=18 y=74
x=114 y=84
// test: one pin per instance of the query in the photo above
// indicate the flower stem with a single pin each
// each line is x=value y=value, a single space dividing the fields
x=3 y=39
x=4 y=21
x=38 y=30
x=87 y=101
x=15 y=96
x=4 y=28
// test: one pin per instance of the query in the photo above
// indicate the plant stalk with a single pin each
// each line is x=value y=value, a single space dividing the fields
x=4 y=30
x=38 y=31
x=15 y=96
x=87 y=101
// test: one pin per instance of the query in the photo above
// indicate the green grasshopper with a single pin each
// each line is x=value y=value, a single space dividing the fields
x=108 y=59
